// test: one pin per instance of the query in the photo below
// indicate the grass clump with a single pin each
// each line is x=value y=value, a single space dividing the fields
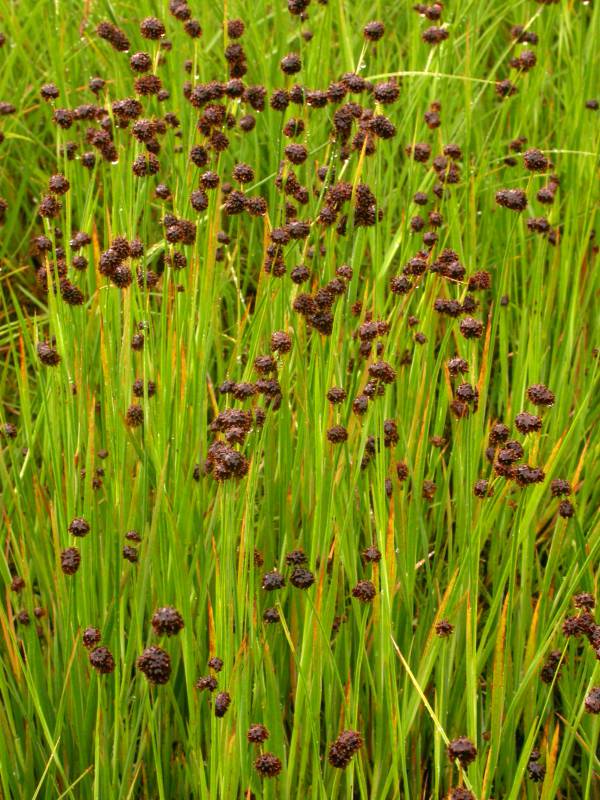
x=299 y=368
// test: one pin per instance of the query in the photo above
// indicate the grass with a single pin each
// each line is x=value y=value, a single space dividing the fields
x=503 y=570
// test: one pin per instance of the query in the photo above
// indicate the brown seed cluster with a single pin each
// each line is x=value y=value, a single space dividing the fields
x=344 y=748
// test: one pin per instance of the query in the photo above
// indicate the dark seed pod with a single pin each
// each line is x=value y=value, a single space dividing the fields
x=373 y=31
x=584 y=601
x=566 y=509
x=460 y=793
x=462 y=750
x=49 y=91
x=273 y=580
x=70 y=559
x=113 y=35
x=482 y=488
x=528 y=423
x=296 y=557
x=471 y=328
x=102 y=660
x=257 y=734
x=592 y=701
x=302 y=578
x=79 y=527
x=535 y=771
x=215 y=663
x=342 y=750
x=443 y=629
x=47 y=354
x=337 y=434
x=167 y=621
x=268 y=765
x=91 y=637
x=207 y=683
x=130 y=554
x=271 y=616
x=222 y=703
x=155 y=664
x=540 y=395
x=513 y=199
x=152 y=28
x=535 y=160
x=134 y=416
x=364 y=591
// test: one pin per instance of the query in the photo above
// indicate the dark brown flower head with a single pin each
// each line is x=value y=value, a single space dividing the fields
x=296 y=558
x=243 y=173
x=155 y=664
x=140 y=62
x=167 y=621
x=302 y=578
x=467 y=393
x=113 y=35
x=290 y=64
x=138 y=388
x=505 y=88
x=342 y=750
x=514 y=199
x=566 y=509
x=70 y=560
x=58 y=184
x=526 y=475
x=371 y=555
x=152 y=28
x=535 y=160
x=272 y=581
x=215 y=663
x=268 y=765
x=479 y=281
x=8 y=430
x=235 y=28
x=434 y=35
x=206 y=683
x=257 y=734
x=460 y=793
x=91 y=637
x=373 y=31
x=134 y=416
x=17 y=583
x=592 y=701
x=337 y=434
x=535 y=771
x=428 y=490
x=463 y=750
x=382 y=371
x=130 y=554
x=457 y=366
x=528 y=423
x=271 y=616
x=540 y=395
x=499 y=433
x=443 y=628
x=49 y=91
x=222 y=703
x=79 y=527
x=336 y=395
x=364 y=591
x=193 y=29
x=511 y=453
x=471 y=328
x=550 y=669
x=584 y=601
x=137 y=341
x=49 y=207
x=102 y=660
